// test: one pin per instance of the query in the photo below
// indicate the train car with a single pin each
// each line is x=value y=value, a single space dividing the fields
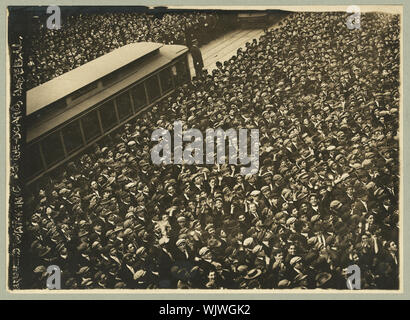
x=69 y=113
x=253 y=19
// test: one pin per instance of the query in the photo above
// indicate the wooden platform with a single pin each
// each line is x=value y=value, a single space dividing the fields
x=224 y=47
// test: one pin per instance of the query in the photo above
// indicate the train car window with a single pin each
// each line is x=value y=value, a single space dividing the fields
x=138 y=96
x=124 y=105
x=33 y=165
x=90 y=125
x=108 y=115
x=153 y=88
x=166 y=80
x=72 y=136
x=52 y=148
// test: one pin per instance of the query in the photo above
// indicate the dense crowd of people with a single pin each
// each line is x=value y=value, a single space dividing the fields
x=325 y=99
x=85 y=37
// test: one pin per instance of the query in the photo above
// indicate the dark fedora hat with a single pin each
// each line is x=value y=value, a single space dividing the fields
x=214 y=243
x=322 y=279
x=44 y=251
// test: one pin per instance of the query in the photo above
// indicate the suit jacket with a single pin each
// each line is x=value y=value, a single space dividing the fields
x=183 y=259
x=165 y=261
x=197 y=57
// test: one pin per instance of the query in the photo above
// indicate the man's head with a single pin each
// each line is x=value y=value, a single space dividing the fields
x=313 y=200
x=392 y=246
x=292 y=249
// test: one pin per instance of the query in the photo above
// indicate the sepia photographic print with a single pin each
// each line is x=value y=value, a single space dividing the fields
x=186 y=149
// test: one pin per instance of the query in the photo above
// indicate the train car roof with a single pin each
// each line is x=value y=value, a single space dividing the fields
x=57 y=88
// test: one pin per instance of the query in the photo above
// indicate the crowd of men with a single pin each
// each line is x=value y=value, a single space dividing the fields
x=325 y=99
x=85 y=37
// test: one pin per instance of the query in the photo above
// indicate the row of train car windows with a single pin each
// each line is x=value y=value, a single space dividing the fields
x=71 y=138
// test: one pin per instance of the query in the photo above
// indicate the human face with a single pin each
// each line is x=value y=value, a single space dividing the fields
x=392 y=246
x=292 y=250
x=171 y=190
x=208 y=255
x=182 y=246
x=191 y=205
x=198 y=180
x=313 y=200
x=279 y=256
x=211 y=276
x=219 y=204
x=267 y=179
x=131 y=247
x=370 y=219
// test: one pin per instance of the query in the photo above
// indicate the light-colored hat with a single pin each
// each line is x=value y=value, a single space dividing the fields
x=140 y=250
x=290 y=220
x=295 y=260
x=257 y=248
x=203 y=251
x=139 y=274
x=335 y=204
x=255 y=193
x=248 y=241
x=180 y=241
